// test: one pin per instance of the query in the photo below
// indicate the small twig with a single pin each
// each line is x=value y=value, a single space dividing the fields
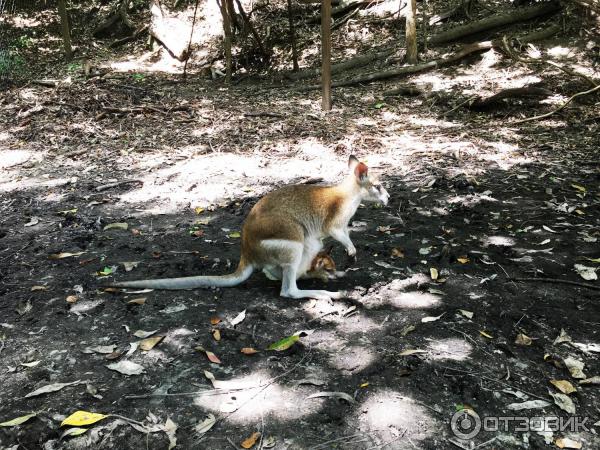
x=189 y=47
x=470 y=99
x=557 y=281
x=104 y=187
x=263 y=114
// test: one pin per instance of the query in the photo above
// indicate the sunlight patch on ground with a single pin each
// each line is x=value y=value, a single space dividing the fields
x=353 y=358
x=359 y=324
x=4 y=136
x=206 y=179
x=499 y=241
x=254 y=396
x=470 y=200
x=392 y=418
x=10 y=158
x=397 y=294
x=453 y=349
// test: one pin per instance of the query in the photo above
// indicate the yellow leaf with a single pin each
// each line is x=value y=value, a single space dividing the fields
x=580 y=212
x=434 y=273
x=579 y=187
x=483 y=333
x=594 y=260
x=235 y=234
x=198 y=210
x=567 y=443
x=462 y=259
x=82 y=418
x=249 y=443
x=563 y=386
x=216 y=335
x=17 y=421
x=364 y=385
x=149 y=343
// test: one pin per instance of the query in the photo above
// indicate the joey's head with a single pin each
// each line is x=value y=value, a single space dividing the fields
x=370 y=187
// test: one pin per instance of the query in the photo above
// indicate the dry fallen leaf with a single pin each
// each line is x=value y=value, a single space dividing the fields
x=432 y=319
x=216 y=335
x=144 y=334
x=563 y=386
x=591 y=380
x=249 y=443
x=149 y=343
x=116 y=226
x=205 y=425
x=564 y=402
x=463 y=259
x=575 y=367
x=137 y=301
x=434 y=273
x=127 y=367
x=65 y=255
x=239 y=318
x=523 y=339
x=467 y=314
x=484 y=334
x=39 y=288
x=215 y=320
x=210 y=355
x=567 y=443
x=248 y=351
x=71 y=299
x=50 y=388
x=17 y=421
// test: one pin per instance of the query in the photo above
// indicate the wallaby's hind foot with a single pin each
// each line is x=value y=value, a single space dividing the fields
x=312 y=293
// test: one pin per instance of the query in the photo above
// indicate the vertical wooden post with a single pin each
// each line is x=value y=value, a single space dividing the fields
x=292 y=36
x=65 y=29
x=326 y=54
x=411 y=32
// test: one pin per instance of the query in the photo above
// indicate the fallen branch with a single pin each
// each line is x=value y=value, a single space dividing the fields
x=465 y=51
x=557 y=281
x=527 y=91
x=495 y=21
x=352 y=63
x=345 y=8
x=105 y=187
x=561 y=107
x=137 y=33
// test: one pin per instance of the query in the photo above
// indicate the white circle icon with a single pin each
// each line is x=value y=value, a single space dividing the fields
x=465 y=424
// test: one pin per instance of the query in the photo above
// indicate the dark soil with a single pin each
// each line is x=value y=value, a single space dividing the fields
x=475 y=200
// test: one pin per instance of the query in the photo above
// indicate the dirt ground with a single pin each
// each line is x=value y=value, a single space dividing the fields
x=434 y=323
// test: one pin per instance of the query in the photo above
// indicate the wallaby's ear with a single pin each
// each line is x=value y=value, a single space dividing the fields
x=319 y=264
x=361 y=171
x=352 y=163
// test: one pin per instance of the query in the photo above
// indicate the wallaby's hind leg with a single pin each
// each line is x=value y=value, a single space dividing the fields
x=289 y=288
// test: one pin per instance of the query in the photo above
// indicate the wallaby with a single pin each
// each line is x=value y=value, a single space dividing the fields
x=284 y=231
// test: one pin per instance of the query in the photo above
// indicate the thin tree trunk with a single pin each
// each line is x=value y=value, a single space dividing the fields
x=411 y=32
x=293 y=36
x=65 y=29
x=326 y=55
x=227 y=41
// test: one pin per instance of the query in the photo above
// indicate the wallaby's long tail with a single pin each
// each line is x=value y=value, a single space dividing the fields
x=242 y=273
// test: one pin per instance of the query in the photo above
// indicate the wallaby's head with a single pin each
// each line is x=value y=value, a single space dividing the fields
x=323 y=261
x=370 y=188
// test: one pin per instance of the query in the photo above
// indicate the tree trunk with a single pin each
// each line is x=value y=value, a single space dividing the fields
x=495 y=21
x=411 y=31
x=65 y=29
x=293 y=36
x=227 y=41
x=326 y=55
